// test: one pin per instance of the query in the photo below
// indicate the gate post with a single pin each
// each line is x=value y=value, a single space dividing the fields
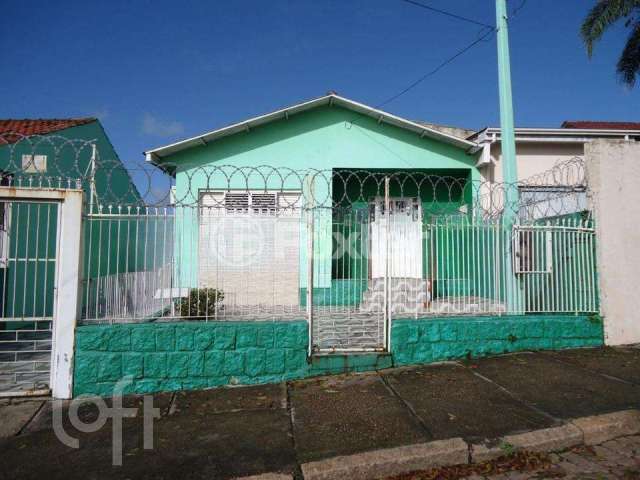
x=310 y=233
x=67 y=293
x=387 y=280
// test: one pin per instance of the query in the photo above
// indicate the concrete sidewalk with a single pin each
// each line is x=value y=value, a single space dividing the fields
x=235 y=432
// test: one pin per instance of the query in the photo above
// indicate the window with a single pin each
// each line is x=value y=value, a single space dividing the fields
x=236 y=203
x=34 y=163
x=251 y=203
x=263 y=203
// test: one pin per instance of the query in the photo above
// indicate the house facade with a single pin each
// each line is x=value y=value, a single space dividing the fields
x=327 y=154
x=299 y=238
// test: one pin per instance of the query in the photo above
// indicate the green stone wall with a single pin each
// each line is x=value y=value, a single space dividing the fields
x=177 y=356
x=193 y=355
x=427 y=340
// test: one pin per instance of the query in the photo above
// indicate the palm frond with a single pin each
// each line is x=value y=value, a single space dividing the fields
x=629 y=64
x=602 y=16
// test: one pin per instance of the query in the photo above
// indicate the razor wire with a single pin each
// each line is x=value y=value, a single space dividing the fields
x=113 y=186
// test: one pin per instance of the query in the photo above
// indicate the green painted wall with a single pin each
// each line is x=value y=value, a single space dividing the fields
x=32 y=227
x=194 y=355
x=188 y=355
x=426 y=341
x=326 y=138
x=69 y=156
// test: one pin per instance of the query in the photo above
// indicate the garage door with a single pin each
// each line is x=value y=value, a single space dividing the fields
x=249 y=247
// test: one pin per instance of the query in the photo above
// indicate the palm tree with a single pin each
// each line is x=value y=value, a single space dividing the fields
x=604 y=14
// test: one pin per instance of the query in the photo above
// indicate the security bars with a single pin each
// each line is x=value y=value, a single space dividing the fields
x=348 y=250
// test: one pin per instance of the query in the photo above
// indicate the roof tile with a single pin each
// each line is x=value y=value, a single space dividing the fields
x=591 y=125
x=11 y=130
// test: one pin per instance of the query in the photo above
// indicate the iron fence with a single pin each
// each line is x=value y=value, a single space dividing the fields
x=349 y=253
x=349 y=250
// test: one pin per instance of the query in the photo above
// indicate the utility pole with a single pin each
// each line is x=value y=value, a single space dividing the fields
x=512 y=295
x=507 y=138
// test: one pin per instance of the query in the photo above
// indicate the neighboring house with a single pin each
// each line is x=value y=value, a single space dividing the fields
x=57 y=149
x=538 y=150
x=53 y=153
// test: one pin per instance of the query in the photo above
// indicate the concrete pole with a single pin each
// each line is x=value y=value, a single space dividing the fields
x=509 y=166
x=508 y=143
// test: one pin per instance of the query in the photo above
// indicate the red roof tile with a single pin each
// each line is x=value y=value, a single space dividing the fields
x=11 y=130
x=590 y=125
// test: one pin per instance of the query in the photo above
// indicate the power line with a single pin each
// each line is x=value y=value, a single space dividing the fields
x=516 y=10
x=449 y=14
x=490 y=30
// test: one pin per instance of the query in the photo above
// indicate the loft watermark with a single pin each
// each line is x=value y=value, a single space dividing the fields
x=117 y=412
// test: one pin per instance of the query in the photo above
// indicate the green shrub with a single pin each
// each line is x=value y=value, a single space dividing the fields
x=201 y=302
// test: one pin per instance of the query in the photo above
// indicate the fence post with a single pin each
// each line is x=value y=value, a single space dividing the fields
x=387 y=289
x=310 y=235
x=67 y=298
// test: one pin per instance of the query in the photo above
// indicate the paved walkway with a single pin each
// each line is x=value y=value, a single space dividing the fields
x=231 y=432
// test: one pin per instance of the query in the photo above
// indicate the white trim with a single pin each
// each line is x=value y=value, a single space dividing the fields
x=155 y=154
x=569 y=134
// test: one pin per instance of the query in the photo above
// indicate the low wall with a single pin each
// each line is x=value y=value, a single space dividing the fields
x=188 y=355
x=426 y=341
x=194 y=355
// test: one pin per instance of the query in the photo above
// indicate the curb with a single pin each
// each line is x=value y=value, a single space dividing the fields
x=546 y=439
x=267 y=476
x=383 y=463
x=601 y=428
x=389 y=461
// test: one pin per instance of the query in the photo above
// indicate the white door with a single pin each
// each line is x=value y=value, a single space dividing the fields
x=405 y=238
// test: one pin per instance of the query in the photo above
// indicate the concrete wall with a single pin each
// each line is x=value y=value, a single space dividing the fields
x=613 y=170
x=435 y=340
x=189 y=355
x=194 y=355
x=532 y=158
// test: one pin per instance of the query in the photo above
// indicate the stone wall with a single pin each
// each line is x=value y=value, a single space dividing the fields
x=613 y=172
x=188 y=355
x=426 y=341
x=195 y=355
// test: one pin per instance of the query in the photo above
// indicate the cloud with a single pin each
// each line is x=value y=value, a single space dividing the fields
x=101 y=113
x=151 y=125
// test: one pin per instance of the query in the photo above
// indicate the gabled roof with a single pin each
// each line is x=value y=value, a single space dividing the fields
x=591 y=125
x=459 y=132
x=40 y=126
x=159 y=153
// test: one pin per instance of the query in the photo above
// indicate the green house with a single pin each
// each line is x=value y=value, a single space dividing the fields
x=331 y=154
x=329 y=237
x=52 y=153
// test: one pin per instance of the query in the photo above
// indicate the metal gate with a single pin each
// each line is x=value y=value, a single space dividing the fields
x=28 y=251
